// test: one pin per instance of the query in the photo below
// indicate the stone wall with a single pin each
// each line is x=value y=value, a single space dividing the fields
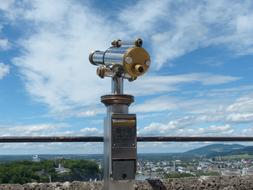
x=203 y=183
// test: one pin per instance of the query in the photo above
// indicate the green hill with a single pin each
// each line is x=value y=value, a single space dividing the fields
x=214 y=150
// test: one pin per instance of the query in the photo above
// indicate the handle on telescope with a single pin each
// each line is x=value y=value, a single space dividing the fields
x=118 y=43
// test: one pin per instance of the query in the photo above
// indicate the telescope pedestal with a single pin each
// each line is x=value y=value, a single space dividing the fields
x=119 y=143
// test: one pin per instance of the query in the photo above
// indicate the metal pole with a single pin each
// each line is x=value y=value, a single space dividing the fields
x=117 y=85
x=114 y=107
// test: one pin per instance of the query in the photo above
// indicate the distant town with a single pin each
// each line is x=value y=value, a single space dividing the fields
x=196 y=167
x=211 y=160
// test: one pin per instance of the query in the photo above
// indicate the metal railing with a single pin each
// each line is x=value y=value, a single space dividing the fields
x=48 y=139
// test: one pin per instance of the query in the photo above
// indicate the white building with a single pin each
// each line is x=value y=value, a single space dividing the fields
x=61 y=169
x=36 y=158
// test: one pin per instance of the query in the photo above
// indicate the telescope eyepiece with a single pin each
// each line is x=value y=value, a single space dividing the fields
x=139 y=69
x=91 y=58
x=96 y=57
x=138 y=42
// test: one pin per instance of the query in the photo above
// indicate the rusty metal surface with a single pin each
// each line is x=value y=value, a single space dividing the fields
x=117 y=99
x=41 y=139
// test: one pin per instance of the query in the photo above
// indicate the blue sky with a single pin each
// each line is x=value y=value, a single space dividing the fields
x=200 y=81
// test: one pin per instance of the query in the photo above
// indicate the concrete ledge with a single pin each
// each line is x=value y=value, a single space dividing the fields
x=203 y=183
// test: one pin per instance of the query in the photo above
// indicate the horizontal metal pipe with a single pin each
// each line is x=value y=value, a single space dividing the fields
x=191 y=139
x=22 y=139
x=29 y=139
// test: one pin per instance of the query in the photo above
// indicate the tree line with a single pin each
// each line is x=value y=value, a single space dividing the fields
x=45 y=171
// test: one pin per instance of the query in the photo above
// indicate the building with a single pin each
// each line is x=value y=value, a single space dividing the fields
x=60 y=169
x=36 y=158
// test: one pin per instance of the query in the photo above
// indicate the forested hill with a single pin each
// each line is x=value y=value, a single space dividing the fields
x=48 y=170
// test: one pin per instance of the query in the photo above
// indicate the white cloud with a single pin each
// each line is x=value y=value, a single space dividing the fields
x=148 y=85
x=209 y=79
x=47 y=129
x=215 y=130
x=241 y=110
x=144 y=15
x=183 y=105
x=87 y=113
x=55 y=64
x=157 y=129
x=198 y=111
x=184 y=127
x=4 y=70
x=223 y=105
x=177 y=28
x=5 y=12
x=54 y=60
x=90 y=132
x=78 y=112
x=4 y=44
x=32 y=129
x=169 y=128
x=156 y=105
x=248 y=131
x=240 y=117
x=242 y=104
x=6 y=4
x=55 y=68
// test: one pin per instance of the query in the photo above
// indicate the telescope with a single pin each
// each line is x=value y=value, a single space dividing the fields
x=126 y=59
x=123 y=60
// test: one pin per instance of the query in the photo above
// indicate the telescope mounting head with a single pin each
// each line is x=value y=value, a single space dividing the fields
x=124 y=59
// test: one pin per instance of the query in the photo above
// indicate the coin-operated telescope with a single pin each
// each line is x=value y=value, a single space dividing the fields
x=123 y=60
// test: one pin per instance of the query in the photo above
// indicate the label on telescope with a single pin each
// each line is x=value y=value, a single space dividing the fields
x=123 y=146
x=123 y=130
